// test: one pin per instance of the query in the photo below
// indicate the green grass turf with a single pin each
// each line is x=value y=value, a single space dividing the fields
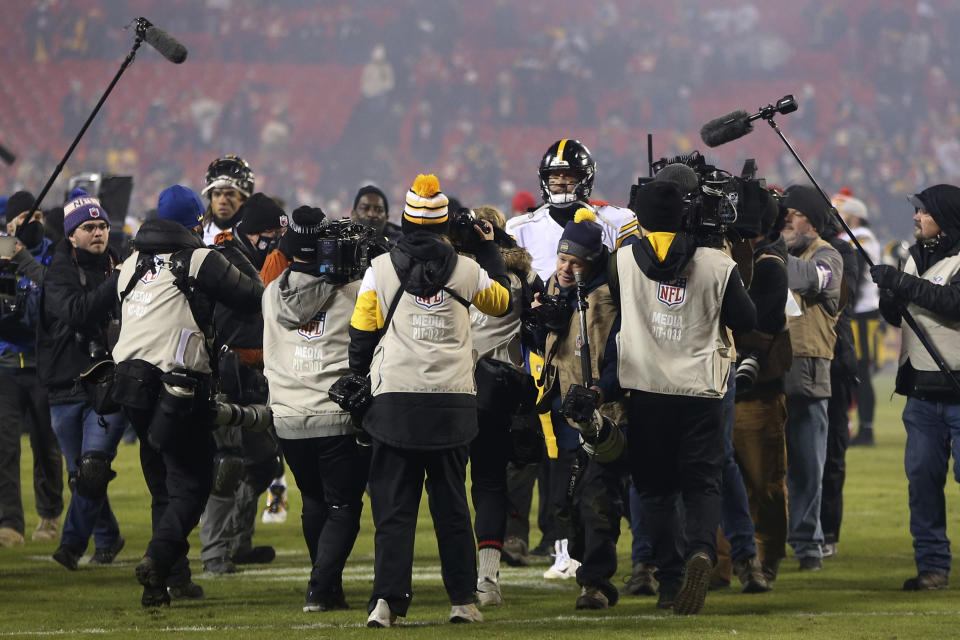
x=857 y=595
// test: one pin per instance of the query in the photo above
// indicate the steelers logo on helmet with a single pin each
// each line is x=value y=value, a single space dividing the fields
x=571 y=157
x=229 y=172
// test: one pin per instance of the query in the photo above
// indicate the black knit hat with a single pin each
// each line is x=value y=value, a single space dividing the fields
x=18 y=203
x=301 y=236
x=659 y=206
x=582 y=237
x=260 y=212
x=809 y=202
x=371 y=189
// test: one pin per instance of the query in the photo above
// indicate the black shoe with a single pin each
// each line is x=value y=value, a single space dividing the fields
x=515 y=552
x=67 y=557
x=810 y=563
x=189 y=591
x=667 y=595
x=864 y=438
x=154 y=590
x=927 y=581
x=106 y=555
x=315 y=602
x=696 y=581
x=641 y=582
x=255 y=555
x=219 y=566
x=544 y=549
x=770 y=569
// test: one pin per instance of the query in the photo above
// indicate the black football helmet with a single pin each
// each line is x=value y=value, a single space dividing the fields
x=568 y=155
x=229 y=172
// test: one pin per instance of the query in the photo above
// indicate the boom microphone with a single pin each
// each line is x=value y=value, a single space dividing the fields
x=738 y=123
x=165 y=44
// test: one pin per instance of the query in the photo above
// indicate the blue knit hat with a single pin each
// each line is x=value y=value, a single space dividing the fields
x=182 y=205
x=81 y=208
x=582 y=237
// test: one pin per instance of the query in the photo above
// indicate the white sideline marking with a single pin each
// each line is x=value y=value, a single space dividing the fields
x=488 y=622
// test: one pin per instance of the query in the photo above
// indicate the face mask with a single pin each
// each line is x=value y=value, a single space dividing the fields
x=263 y=246
x=30 y=234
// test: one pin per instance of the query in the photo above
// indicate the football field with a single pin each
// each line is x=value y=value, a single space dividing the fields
x=857 y=595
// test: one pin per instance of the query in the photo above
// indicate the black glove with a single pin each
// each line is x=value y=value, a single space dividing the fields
x=886 y=277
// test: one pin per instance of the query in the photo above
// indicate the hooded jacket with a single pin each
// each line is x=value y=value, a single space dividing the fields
x=305 y=342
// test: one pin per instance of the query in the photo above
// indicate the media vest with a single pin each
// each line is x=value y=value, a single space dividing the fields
x=944 y=333
x=302 y=364
x=499 y=338
x=157 y=324
x=427 y=348
x=812 y=334
x=671 y=340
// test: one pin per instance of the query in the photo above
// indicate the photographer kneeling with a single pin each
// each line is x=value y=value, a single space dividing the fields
x=306 y=315
x=584 y=493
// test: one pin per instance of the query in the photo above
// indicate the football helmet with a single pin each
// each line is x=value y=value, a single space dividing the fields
x=573 y=156
x=229 y=172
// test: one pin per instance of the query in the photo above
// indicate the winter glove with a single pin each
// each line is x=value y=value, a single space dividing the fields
x=886 y=277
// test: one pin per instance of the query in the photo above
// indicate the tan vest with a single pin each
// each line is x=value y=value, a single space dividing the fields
x=671 y=340
x=301 y=365
x=562 y=363
x=944 y=333
x=813 y=334
x=156 y=322
x=428 y=347
x=499 y=338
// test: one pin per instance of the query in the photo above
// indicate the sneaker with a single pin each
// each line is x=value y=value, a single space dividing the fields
x=829 y=549
x=154 y=591
x=276 y=510
x=751 y=575
x=564 y=567
x=696 y=581
x=927 y=581
x=219 y=566
x=515 y=552
x=106 y=555
x=255 y=555
x=488 y=592
x=10 y=537
x=67 y=557
x=48 y=530
x=770 y=569
x=381 y=616
x=810 y=563
x=316 y=603
x=592 y=598
x=641 y=582
x=465 y=613
x=864 y=438
x=188 y=591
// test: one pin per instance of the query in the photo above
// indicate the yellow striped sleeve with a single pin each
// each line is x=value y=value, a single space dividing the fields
x=632 y=228
x=491 y=298
x=367 y=314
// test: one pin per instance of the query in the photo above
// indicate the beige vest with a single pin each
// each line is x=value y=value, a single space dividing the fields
x=942 y=332
x=156 y=322
x=428 y=347
x=813 y=334
x=562 y=364
x=302 y=364
x=499 y=338
x=671 y=340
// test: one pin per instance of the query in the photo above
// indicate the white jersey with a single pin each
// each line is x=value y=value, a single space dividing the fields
x=540 y=234
x=868 y=296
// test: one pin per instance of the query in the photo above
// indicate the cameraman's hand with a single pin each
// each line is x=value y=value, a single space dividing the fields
x=536 y=301
x=485 y=231
x=599 y=394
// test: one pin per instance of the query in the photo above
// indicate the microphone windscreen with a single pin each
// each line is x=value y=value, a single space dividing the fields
x=165 y=44
x=726 y=128
x=680 y=175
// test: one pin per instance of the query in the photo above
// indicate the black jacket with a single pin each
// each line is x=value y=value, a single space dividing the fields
x=79 y=302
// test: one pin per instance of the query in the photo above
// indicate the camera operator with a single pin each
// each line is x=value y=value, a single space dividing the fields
x=79 y=321
x=21 y=394
x=228 y=183
x=587 y=520
x=505 y=397
x=677 y=301
x=306 y=315
x=760 y=413
x=246 y=461
x=167 y=289
x=410 y=331
x=815 y=275
x=928 y=287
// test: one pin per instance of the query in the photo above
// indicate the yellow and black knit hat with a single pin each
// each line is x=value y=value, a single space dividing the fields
x=426 y=206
